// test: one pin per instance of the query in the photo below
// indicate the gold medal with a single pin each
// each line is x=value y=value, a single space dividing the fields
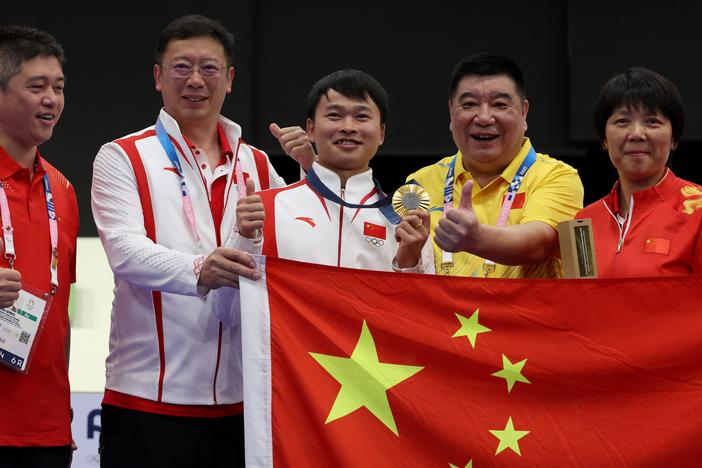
x=410 y=197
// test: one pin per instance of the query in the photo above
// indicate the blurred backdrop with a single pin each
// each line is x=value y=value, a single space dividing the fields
x=567 y=49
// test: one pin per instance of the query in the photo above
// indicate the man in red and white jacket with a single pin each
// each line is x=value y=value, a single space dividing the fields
x=332 y=217
x=164 y=203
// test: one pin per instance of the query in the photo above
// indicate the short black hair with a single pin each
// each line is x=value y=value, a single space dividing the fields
x=354 y=84
x=190 y=26
x=488 y=64
x=639 y=88
x=19 y=43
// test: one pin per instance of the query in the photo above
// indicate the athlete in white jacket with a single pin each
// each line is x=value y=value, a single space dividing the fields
x=332 y=217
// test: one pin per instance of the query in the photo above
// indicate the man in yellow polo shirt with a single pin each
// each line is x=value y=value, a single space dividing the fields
x=495 y=204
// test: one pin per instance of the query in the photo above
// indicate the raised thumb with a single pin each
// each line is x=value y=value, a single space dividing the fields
x=275 y=130
x=466 y=202
x=250 y=187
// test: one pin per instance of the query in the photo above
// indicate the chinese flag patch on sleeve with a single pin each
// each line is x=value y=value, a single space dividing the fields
x=373 y=230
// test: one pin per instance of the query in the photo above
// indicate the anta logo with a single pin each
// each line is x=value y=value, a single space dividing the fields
x=307 y=220
x=694 y=199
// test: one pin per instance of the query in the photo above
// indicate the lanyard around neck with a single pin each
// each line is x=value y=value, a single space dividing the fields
x=383 y=204
x=489 y=265
x=168 y=147
x=8 y=231
x=170 y=150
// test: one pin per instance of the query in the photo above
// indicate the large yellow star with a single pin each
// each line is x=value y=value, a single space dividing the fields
x=511 y=372
x=468 y=465
x=470 y=327
x=509 y=438
x=364 y=380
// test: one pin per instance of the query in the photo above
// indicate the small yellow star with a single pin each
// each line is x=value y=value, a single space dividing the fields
x=364 y=380
x=509 y=438
x=468 y=465
x=511 y=372
x=470 y=327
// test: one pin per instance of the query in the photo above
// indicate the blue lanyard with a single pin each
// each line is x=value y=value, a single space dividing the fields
x=53 y=231
x=513 y=186
x=383 y=204
x=489 y=266
x=187 y=201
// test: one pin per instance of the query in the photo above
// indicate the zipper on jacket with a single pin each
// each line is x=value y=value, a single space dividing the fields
x=341 y=227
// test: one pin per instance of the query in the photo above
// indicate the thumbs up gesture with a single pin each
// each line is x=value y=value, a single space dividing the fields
x=10 y=284
x=249 y=212
x=459 y=228
x=296 y=144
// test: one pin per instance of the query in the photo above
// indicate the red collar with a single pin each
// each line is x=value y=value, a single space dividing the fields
x=9 y=167
x=225 y=147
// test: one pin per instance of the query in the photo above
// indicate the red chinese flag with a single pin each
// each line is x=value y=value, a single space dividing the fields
x=350 y=368
x=373 y=230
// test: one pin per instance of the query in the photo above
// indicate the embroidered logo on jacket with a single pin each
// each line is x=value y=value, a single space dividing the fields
x=308 y=220
x=694 y=199
x=375 y=234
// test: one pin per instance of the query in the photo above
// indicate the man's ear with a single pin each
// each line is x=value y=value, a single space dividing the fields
x=230 y=79
x=310 y=129
x=525 y=112
x=157 y=77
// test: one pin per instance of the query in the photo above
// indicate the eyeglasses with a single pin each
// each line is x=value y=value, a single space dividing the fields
x=184 y=69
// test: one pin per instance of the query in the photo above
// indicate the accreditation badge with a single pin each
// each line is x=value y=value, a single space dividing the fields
x=20 y=326
x=410 y=197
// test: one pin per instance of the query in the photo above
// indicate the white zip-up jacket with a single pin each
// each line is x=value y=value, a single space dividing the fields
x=302 y=225
x=167 y=343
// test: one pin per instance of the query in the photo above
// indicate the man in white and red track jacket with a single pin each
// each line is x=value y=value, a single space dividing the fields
x=302 y=225
x=164 y=203
x=332 y=217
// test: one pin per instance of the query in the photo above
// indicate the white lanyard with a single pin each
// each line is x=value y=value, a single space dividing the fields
x=8 y=231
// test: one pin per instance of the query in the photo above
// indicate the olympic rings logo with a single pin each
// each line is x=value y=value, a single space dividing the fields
x=375 y=241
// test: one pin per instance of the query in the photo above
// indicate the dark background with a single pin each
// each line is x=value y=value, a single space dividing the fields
x=567 y=50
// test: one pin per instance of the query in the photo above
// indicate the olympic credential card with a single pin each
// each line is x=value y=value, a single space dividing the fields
x=19 y=326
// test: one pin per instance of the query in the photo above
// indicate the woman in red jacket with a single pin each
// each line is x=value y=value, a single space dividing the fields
x=650 y=224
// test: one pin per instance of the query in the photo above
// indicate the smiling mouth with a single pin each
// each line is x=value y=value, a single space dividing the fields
x=47 y=117
x=194 y=98
x=484 y=137
x=347 y=142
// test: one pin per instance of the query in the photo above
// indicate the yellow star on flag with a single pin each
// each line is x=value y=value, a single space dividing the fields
x=509 y=438
x=511 y=372
x=470 y=327
x=364 y=380
x=468 y=465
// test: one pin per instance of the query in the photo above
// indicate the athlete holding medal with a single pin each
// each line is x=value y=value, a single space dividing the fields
x=338 y=215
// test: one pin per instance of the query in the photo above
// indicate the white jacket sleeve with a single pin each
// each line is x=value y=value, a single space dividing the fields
x=119 y=218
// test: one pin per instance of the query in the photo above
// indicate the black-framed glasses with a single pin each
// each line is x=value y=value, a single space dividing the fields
x=184 y=69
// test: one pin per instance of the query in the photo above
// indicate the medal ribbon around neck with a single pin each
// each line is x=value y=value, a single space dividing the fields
x=383 y=204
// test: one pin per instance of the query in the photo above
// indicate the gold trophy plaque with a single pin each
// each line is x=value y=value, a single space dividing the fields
x=577 y=248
